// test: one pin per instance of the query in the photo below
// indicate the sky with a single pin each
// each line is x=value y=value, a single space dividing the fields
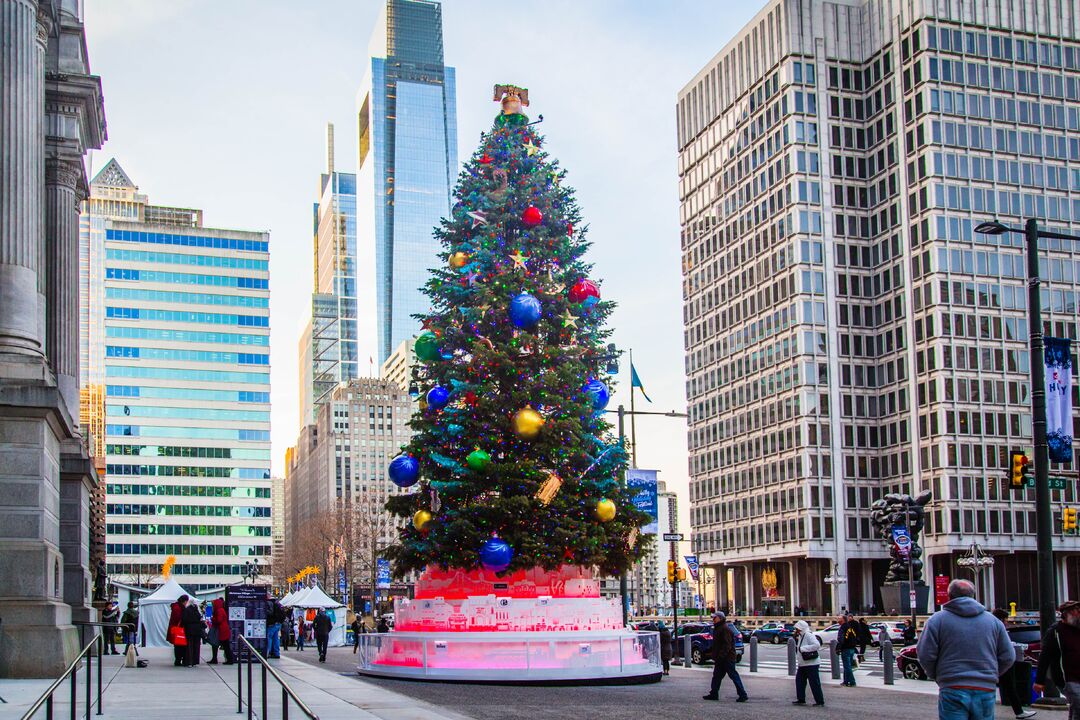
x=222 y=105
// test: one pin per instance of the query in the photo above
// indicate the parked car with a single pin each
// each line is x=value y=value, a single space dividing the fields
x=893 y=630
x=907 y=660
x=827 y=635
x=701 y=645
x=774 y=632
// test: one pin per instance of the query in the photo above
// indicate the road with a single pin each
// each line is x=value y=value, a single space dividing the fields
x=678 y=695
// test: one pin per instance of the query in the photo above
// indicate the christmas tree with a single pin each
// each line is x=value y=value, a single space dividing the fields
x=514 y=464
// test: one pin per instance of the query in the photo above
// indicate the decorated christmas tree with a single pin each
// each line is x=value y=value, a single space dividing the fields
x=513 y=462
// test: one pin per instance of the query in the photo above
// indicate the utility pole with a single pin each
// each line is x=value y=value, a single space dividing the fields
x=622 y=576
x=675 y=592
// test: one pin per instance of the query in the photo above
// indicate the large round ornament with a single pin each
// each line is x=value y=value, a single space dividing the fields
x=527 y=423
x=496 y=554
x=404 y=470
x=525 y=311
x=459 y=260
x=420 y=519
x=585 y=291
x=437 y=397
x=427 y=346
x=598 y=394
x=478 y=460
x=605 y=510
x=532 y=216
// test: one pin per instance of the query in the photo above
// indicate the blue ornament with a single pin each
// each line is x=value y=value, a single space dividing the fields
x=454 y=429
x=598 y=394
x=404 y=470
x=437 y=397
x=496 y=554
x=525 y=311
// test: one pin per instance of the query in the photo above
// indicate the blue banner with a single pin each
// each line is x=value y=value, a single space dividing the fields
x=642 y=487
x=1059 y=424
x=692 y=565
x=341 y=581
x=902 y=541
x=382 y=577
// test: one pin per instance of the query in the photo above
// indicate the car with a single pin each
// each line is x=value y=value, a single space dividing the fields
x=1028 y=636
x=893 y=630
x=774 y=632
x=701 y=645
x=827 y=635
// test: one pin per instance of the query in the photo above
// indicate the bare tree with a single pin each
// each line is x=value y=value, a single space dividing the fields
x=373 y=530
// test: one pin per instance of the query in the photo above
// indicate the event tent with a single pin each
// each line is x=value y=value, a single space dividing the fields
x=154 y=610
x=313 y=598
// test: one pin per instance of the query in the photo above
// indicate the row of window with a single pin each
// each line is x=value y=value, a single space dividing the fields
x=1023 y=142
x=140 y=569
x=155 y=373
x=126 y=313
x=186 y=298
x=220 y=453
x=1000 y=47
x=1003 y=202
x=187 y=240
x=175 y=549
x=164 y=431
x=191 y=510
x=187 y=490
x=187 y=413
x=171 y=354
x=1037 y=175
x=164 y=258
x=231 y=530
x=179 y=393
x=998 y=78
x=158 y=276
x=184 y=336
x=114 y=469
x=1004 y=109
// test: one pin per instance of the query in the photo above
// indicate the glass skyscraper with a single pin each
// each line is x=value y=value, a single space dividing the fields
x=175 y=341
x=407 y=160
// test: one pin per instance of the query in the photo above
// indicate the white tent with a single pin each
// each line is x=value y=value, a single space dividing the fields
x=285 y=600
x=314 y=598
x=292 y=598
x=154 y=610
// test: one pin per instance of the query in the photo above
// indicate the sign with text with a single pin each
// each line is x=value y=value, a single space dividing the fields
x=246 y=606
x=642 y=486
x=672 y=537
x=1059 y=421
x=382 y=575
x=902 y=541
x=941 y=589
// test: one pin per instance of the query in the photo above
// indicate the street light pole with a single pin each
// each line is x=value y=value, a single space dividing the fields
x=622 y=576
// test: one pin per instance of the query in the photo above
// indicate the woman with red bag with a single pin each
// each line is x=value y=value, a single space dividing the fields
x=175 y=633
x=219 y=626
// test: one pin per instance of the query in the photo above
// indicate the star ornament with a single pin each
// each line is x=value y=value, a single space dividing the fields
x=472 y=277
x=478 y=218
x=519 y=259
x=531 y=149
x=569 y=320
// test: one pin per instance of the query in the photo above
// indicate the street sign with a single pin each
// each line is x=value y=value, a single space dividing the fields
x=672 y=537
x=1057 y=483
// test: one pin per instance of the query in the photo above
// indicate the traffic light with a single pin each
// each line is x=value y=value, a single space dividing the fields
x=1068 y=520
x=671 y=571
x=1019 y=470
x=682 y=574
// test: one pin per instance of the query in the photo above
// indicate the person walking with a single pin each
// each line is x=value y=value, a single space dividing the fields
x=1060 y=656
x=807 y=658
x=219 y=627
x=111 y=614
x=965 y=649
x=194 y=629
x=301 y=632
x=175 y=633
x=866 y=637
x=358 y=629
x=665 y=647
x=382 y=627
x=275 y=615
x=723 y=655
x=1008 y=681
x=130 y=621
x=322 y=625
x=848 y=645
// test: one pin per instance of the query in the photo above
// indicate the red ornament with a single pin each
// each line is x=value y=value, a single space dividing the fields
x=486 y=159
x=470 y=398
x=532 y=216
x=570 y=229
x=583 y=290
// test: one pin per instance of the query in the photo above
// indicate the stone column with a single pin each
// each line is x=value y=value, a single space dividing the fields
x=22 y=57
x=62 y=178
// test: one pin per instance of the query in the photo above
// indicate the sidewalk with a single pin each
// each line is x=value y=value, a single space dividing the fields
x=165 y=692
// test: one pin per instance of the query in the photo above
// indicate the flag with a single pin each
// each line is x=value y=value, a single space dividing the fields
x=635 y=381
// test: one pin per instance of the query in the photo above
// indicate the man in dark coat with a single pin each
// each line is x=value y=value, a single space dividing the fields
x=194 y=627
x=108 y=634
x=1060 y=656
x=847 y=642
x=723 y=656
x=322 y=626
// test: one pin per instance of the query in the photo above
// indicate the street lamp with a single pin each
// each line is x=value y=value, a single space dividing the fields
x=976 y=561
x=1043 y=517
x=252 y=570
x=835 y=580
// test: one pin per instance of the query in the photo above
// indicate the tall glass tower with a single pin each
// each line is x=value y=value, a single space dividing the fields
x=407 y=160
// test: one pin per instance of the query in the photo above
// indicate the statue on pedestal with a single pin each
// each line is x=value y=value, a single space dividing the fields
x=898 y=521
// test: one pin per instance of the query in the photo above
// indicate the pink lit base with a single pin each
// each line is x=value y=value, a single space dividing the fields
x=530 y=626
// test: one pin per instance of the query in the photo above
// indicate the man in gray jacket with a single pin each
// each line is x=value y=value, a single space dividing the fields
x=965 y=649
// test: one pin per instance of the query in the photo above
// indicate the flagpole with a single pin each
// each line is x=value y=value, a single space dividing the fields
x=633 y=423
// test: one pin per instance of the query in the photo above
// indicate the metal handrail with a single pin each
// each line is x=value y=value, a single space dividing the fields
x=47 y=696
x=286 y=691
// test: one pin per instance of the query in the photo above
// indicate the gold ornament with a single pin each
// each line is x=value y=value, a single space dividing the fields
x=527 y=423
x=531 y=149
x=605 y=510
x=519 y=259
x=631 y=539
x=512 y=97
x=420 y=519
x=459 y=260
x=569 y=320
x=549 y=489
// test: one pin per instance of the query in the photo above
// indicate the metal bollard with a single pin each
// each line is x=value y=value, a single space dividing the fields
x=753 y=654
x=887 y=659
x=834 y=660
x=791 y=656
x=688 y=658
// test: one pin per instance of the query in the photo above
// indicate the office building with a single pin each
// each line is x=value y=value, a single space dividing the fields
x=177 y=347
x=847 y=333
x=328 y=345
x=407 y=161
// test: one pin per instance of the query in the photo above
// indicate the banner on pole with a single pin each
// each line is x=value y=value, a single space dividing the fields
x=941 y=589
x=1059 y=425
x=642 y=486
x=692 y=565
x=382 y=575
x=902 y=541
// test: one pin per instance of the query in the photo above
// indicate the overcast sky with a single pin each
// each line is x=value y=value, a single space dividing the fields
x=222 y=105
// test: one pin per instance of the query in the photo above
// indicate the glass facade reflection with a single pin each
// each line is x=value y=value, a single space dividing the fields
x=176 y=371
x=407 y=140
